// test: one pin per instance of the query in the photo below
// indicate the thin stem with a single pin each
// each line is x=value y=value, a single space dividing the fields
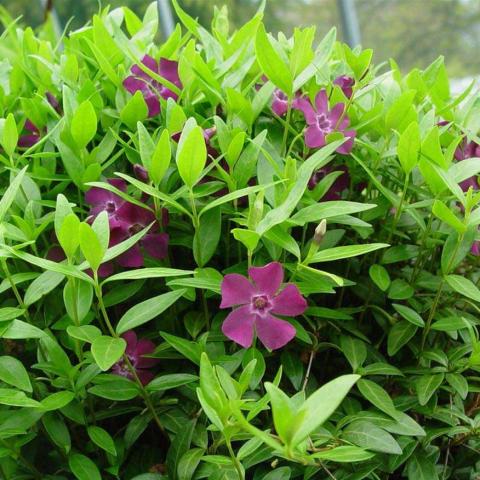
x=236 y=462
x=131 y=368
x=19 y=298
x=398 y=211
x=309 y=368
x=287 y=125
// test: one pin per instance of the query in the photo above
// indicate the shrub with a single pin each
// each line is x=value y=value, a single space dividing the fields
x=234 y=256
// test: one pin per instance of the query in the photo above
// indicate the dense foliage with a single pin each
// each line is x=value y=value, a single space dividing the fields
x=234 y=256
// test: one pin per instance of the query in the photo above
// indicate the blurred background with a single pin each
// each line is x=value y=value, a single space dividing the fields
x=414 y=32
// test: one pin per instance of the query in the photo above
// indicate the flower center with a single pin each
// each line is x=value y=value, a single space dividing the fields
x=324 y=123
x=110 y=206
x=135 y=228
x=261 y=303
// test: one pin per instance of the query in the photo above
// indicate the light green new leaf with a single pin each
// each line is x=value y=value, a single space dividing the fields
x=409 y=147
x=320 y=405
x=90 y=245
x=191 y=154
x=84 y=124
x=464 y=286
x=271 y=63
x=107 y=350
x=348 y=251
x=11 y=192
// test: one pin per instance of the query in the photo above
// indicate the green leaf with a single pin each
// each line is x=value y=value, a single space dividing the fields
x=42 y=285
x=188 y=349
x=85 y=333
x=102 y=439
x=408 y=314
x=344 y=454
x=421 y=467
x=459 y=383
x=16 y=398
x=161 y=158
x=119 y=390
x=377 y=396
x=84 y=124
x=189 y=463
x=399 y=335
x=248 y=238
x=83 y=468
x=379 y=276
x=325 y=210
x=409 y=147
x=14 y=373
x=11 y=192
x=135 y=110
x=146 y=310
x=179 y=446
x=57 y=400
x=400 y=290
x=207 y=236
x=68 y=235
x=167 y=382
x=369 y=436
x=464 y=286
x=354 y=349
x=154 y=272
x=320 y=405
x=19 y=330
x=445 y=214
x=282 y=212
x=348 y=251
x=271 y=63
x=402 y=112
x=427 y=385
x=191 y=153
x=9 y=138
x=90 y=246
x=283 y=411
x=107 y=350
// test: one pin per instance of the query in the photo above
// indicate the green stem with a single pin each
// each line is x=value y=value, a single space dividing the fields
x=131 y=368
x=36 y=474
x=287 y=126
x=19 y=298
x=434 y=306
x=236 y=462
x=398 y=211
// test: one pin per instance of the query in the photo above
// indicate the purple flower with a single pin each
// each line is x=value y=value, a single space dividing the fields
x=140 y=172
x=341 y=183
x=135 y=351
x=468 y=150
x=150 y=88
x=52 y=100
x=256 y=302
x=31 y=138
x=475 y=249
x=131 y=220
x=279 y=102
x=346 y=84
x=322 y=121
x=103 y=200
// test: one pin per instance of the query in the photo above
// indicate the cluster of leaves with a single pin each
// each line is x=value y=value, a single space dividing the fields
x=381 y=379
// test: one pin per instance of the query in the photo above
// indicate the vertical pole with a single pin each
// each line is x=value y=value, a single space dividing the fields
x=351 y=28
x=165 y=17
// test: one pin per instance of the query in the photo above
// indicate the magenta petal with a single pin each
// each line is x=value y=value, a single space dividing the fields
x=273 y=332
x=314 y=137
x=145 y=347
x=153 y=103
x=156 y=245
x=238 y=326
x=279 y=107
x=475 y=250
x=347 y=147
x=335 y=114
x=56 y=254
x=268 y=278
x=97 y=196
x=145 y=376
x=305 y=106
x=26 y=141
x=169 y=71
x=236 y=290
x=133 y=84
x=132 y=258
x=131 y=338
x=105 y=269
x=321 y=101
x=118 y=183
x=289 y=302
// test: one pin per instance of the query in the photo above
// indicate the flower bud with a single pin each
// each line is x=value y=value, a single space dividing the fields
x=320 y=232
x=140 y=172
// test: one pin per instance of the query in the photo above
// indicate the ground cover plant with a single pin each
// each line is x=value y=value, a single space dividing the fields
x=232 y=255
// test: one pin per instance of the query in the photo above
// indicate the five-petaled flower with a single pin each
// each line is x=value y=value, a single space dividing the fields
x=256 y=301
x=151 y=89
x=131 y=220
x=321 y=122
x=135 y=351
